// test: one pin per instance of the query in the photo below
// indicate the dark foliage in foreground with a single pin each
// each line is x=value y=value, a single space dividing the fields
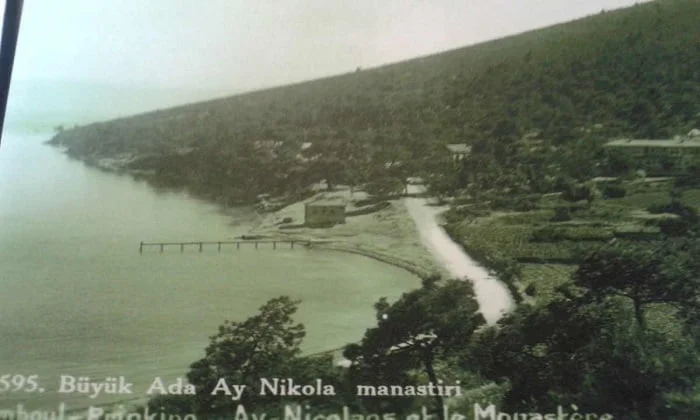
x=620 y=338
x=597 y=345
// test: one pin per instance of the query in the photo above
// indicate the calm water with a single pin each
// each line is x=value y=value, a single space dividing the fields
x=77 y=298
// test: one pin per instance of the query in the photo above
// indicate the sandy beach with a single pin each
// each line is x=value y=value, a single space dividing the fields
x=405 y=233
x=388 y=235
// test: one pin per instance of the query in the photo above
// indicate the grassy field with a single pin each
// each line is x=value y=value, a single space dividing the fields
x=545 y=278
x=546 y=250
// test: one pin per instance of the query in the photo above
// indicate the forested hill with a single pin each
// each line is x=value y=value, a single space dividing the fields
x=631 y=72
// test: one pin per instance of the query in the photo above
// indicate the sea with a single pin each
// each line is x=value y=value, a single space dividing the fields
x=78 y=299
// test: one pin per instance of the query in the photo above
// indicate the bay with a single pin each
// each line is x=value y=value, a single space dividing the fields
x=77 y=298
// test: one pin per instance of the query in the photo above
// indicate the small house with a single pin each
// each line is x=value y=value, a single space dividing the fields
x=659 y=157
x=303 y=155
x=458 y=151
x=324 y=213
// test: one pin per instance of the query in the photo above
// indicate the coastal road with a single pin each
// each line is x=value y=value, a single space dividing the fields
x=493 y=295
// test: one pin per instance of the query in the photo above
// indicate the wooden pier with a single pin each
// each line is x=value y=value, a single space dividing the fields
x=275 y=243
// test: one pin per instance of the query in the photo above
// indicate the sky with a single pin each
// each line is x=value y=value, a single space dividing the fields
x=241 y=45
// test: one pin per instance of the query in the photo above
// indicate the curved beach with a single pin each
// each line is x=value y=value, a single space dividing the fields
x=405 y=234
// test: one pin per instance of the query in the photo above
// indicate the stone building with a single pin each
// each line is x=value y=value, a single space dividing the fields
x=658 y=157
x=324 y=213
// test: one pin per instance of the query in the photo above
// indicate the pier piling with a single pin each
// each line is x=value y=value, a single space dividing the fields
x=256 y=243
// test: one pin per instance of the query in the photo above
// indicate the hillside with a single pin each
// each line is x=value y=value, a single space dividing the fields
x=632 y=72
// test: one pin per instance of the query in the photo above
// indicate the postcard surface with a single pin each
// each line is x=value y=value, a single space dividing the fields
x=351 y=211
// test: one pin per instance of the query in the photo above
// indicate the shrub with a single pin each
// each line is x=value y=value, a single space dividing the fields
x=462 y=213
x=690 y=180
x=675 y=227
x=384 y=186
x=368 y=209
x=573 y=233
x=576 y=192
x=687 y=213
x=514 y=203
x=368 y=201
x=614 y=191
x=561 y=214
x=546 y=234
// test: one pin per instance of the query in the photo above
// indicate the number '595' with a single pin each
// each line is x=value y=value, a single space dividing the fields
x=19 y=383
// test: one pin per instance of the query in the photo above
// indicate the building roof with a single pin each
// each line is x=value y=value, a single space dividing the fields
x=269 y=144
x=327 y=202
x=459 y=148
x=532 y=135
x=682 y=142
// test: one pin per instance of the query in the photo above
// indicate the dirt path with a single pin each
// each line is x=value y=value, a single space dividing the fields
x=493 y=295
x=407 y=235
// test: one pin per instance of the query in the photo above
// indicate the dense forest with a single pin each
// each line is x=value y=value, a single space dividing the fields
x=633 y=73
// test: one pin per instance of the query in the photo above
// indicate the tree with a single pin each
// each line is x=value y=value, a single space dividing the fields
x=640 y=273
x=423 y=326
x=534 y=350
x=590 y=351
x=384 y=187
x=265 y=344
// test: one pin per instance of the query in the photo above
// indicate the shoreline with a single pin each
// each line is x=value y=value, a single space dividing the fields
x=416 y=270
x=389 y=235
x=402 y=253
x=393 y=235
x=406 y=233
